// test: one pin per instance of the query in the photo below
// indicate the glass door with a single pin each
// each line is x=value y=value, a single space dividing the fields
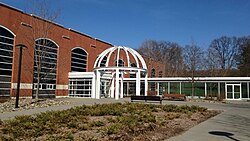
x=237 y=92
x=229 y=91
x=233 y=91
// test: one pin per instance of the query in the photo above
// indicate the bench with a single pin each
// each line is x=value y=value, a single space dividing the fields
x=174 y=96
x=146 y=98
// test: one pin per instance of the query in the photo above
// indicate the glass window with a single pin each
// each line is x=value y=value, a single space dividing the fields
x=153 y=73
x=79 y=60
x=6 y=53
x=45 y=56
x=80 y=87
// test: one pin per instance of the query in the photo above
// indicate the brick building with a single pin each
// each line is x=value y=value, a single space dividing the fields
x=68 y=51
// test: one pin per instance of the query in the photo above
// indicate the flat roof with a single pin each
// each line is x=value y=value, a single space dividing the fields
x=196 y=79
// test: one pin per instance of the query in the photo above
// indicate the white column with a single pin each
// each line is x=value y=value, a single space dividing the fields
x=117 y=84
x=98 y=81
x=219 y=90
x=225 y=90
x=158 y=89
x=121 y=84
x=180 y=88
x=168 y=87
x=248 y=90
x=146 y=84
x=205 y=89
x=240 y=90
x=138 y=83
x=127 y=88
x=112 y=88
x=93 y=86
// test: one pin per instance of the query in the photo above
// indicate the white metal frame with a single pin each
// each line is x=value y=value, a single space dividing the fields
x=81 y=76
x=47 y=87
x=205 y=80
x=233 y=91
x=8 y=65
x=84 y=61
x=117 y=72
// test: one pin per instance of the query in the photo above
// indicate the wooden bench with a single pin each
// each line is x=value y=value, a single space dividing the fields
x=146 y=98
x=174 y=96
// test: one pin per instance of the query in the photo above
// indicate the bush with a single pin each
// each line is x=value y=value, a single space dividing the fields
x=113 y=129
x=97 y=124
x=129 y=116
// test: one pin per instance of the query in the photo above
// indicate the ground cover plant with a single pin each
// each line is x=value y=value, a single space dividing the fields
x=128 y=121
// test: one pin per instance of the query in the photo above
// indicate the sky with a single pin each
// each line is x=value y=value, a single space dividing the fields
x=131 y=22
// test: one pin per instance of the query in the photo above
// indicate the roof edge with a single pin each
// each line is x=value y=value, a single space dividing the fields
x=57 y=24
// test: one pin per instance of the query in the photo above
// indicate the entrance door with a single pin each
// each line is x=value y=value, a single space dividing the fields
x=233 y=91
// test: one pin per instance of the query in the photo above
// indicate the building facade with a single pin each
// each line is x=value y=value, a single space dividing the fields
x=48 y=58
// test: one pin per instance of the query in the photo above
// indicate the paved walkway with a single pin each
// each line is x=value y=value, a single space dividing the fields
x=231 y=125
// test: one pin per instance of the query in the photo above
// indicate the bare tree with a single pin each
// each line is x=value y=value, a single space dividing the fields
x=41 y=26
x=193 y=60
x=151 y=48
x=244 y=56
x=211 y=65
x=173 y=59
x=223 y=53
x=168 y=53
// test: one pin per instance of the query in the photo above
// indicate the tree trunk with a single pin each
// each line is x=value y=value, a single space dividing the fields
x=38 y=80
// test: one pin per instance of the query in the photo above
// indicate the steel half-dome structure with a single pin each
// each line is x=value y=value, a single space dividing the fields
x=115 y=63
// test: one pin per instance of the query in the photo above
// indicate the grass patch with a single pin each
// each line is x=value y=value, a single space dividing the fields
x=98 y=122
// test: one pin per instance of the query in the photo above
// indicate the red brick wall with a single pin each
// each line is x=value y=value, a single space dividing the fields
x=158 y=66
x=12 y=19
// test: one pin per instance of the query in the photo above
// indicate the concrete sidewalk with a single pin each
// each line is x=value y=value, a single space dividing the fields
x=231 y=125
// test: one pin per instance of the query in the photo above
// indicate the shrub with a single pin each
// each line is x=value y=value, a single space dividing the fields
x=96 y=124
x=129 y=116
x=113 y=129
x=169 y=108
x=83 y=127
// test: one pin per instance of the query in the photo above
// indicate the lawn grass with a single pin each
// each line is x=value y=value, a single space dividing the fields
x=98 y=122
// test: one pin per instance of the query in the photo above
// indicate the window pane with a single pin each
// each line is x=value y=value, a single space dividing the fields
x=79 y=60
x=80 y=87
x=46 y=50
x=4 y=32
x=6 y=48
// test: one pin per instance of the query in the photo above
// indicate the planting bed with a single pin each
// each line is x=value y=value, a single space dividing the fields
x=129 y=121
x=8 y=105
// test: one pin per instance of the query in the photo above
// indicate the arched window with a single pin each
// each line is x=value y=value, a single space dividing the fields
x=79 y=60
x=153 y=73
x=160 y=73
x=152 y=85
x=6 y=53
x=45 y=64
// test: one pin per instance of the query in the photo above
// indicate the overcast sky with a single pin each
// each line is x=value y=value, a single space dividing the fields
x=130 y=22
